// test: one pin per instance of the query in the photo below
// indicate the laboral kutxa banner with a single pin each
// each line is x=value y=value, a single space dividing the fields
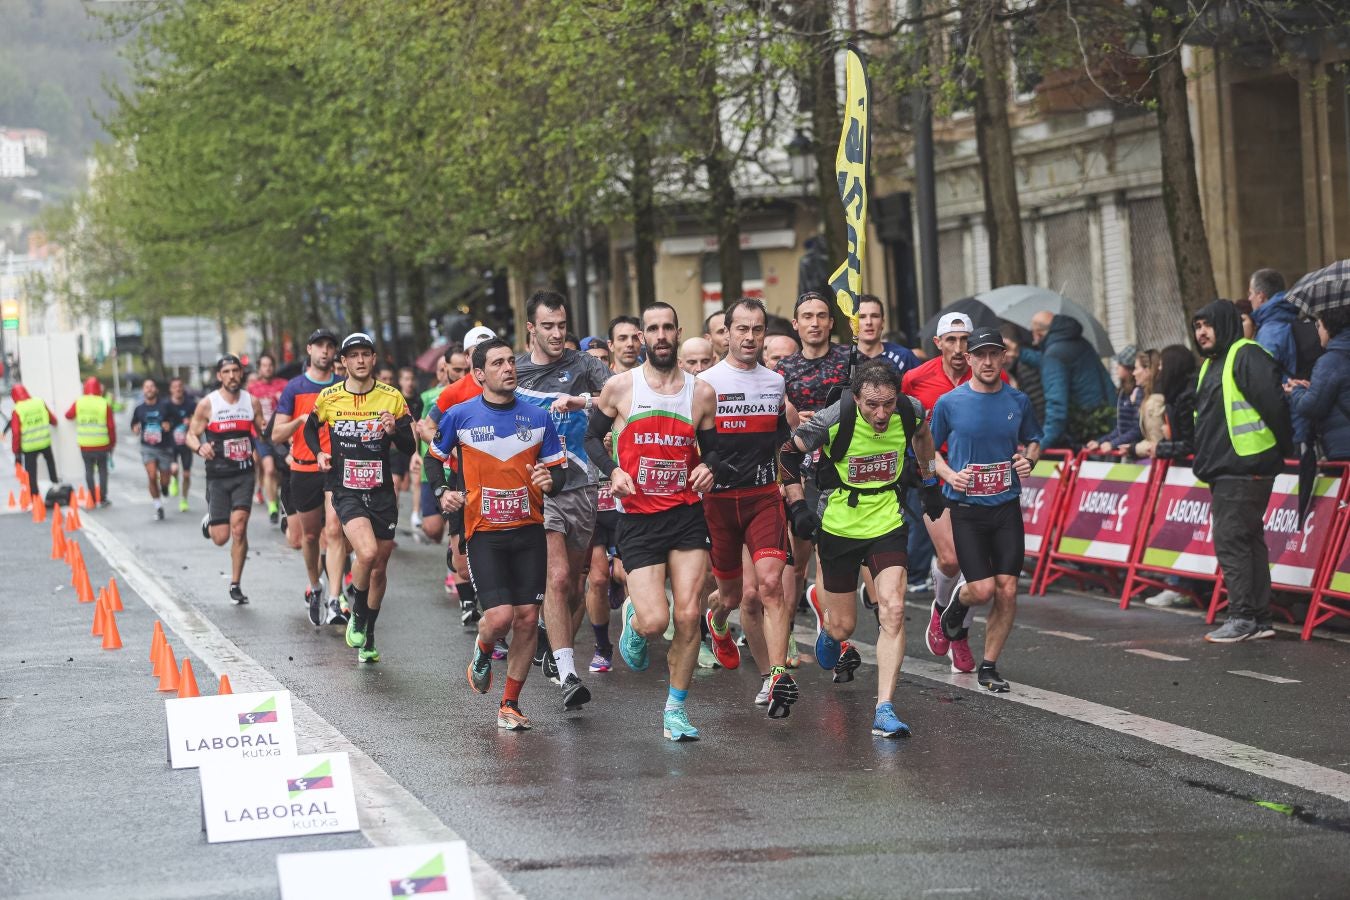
x=1040 y=490
x=1104 y=509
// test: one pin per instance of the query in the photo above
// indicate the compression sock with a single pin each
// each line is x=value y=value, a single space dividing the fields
x=511 y=693
x=467 y=595
x=485 y=649
x=360 y=604
x=943 y=585
x=602 y=636
x=159 y=504
x=675 y=699
x=563 y=657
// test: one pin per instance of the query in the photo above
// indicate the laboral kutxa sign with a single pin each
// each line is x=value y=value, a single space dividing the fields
x=282 y=797
x=1040 y=490
x=256 y=725
x=1104 y=510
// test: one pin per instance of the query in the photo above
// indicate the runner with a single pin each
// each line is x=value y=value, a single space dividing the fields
x=154 y=420
x=510 y=457
x=267 y=388
x=426 y=504
x=863 y=438
x=715 y=333
x=308 y=504
x=744 y=508
x=661 y=412
x=184 y=406
x=777 y=347
x=364 y=418
x=606 y=582
x=871 y=325
x=561 y=382
x=696 y=356
x=229 y=419
x=625 y=343
x=400 y=463
x=96 y=433
x=597 y=347
x=982 y=423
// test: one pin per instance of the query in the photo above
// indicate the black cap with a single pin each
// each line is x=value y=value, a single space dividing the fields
x=322 y=334
x=229 y=359
x=985 y=337
x=354 y=340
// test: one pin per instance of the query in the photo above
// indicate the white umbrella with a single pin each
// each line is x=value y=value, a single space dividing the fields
x=1017 y=303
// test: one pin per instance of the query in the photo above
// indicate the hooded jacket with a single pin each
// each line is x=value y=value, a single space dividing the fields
x=94 y=388
x=1072 y=377
x=1258 y=377
x=1325 y=403
x=1275 y=331
x=18 y=393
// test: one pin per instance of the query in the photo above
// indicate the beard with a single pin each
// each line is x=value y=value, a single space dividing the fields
x=658 y=362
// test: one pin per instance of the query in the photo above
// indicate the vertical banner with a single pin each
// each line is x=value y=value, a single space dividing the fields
x=1040 y=493
x=1295 y=551
x=1180 y=537
x=1104 y=510
x=851 y=166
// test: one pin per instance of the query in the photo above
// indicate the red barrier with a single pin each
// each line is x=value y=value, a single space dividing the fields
x=1043 y=494
x=1177 y=538
x=1332 y=595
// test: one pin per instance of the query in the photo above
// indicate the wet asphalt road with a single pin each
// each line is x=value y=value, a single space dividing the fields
x=987 y=798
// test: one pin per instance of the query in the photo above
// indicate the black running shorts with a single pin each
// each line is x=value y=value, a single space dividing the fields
x=379 y=506
x=646 y=539
x=989 y=539
x=306 y=490
x=226 y=494
x=507 y=568
x=841 y=558
x=606 y=529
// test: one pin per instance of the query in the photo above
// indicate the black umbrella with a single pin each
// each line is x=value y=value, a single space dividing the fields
x=980 y=316
x=1324 y=289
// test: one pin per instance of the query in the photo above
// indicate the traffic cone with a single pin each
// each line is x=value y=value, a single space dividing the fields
x=156 y=643
x=98 y=496
x=39 y=511
x=58 y=544
x=225 y=685
x=13 y=504
x=88 y=500
x=187 y=682
x=112 y=639
x=114 y=596
x=25 y=497
x=157 y=670
x=75 y=518
x=97 y=629
x=83 y=587
x=168 y=666
x=79 y=495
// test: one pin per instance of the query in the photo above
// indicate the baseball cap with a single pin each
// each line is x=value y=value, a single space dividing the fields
x=354 y=340
x=477 y=335
x=593 y=341
x=1127 y=356
x=954 y=321
x=322 y=334
x=229 y=359
x=985 y=337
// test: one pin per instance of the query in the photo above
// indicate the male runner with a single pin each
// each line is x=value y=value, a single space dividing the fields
x=184 y=406
x=982 y=423
x=625 y=343
x=597 y=347
x=563 y=382
x=426 y=504
x=715 y=333
x=230 y=420
x=744 y=507
x=309 y=505
x=871 y=325
x=267 y=388
x=696 y=355
x=661 y=412
x=510 y=458
x=154 y=420
x=778 y=347
x=863 y=438
x=364 y=417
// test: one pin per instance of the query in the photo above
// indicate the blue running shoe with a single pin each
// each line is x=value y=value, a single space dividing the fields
x=632 y=646
x=677 y=727
x=827 y=648
x=886 y=724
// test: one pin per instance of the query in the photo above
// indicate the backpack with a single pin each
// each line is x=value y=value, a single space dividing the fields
x=827 y=476
x=1307 y=347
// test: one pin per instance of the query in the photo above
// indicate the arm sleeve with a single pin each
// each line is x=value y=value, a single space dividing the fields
x=814 y=433
x=403 y=437
x=1056 y=383
x=311 y=433
x=597 y=427
x=707 y=448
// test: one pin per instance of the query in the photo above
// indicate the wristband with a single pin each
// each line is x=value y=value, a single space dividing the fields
x=587 y=397
x=930 y=482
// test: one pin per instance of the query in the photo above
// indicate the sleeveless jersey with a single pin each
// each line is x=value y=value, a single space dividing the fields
x=657 y=447
x=751 y=425
x=230 y=431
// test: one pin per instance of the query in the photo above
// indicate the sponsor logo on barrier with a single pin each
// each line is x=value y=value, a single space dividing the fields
x=243 y=802
x=234 y=727
x=394 y=873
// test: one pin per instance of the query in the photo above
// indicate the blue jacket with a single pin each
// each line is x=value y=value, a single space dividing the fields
x=1072 y=377
x=1127 y=420
x=1326 y=403
x=1275 y=331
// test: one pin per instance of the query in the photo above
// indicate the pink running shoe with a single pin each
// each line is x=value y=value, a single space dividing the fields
x=937 y=641
x=962 y=660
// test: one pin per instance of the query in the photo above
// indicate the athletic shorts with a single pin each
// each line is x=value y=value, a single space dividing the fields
x=989 y=539
x=842 y=558
x=379 y=506
x=284 y=493
x=398 y=462
x=751 y=517
x=429 y=505
x=572 y=513
x=264 y=449
x=606 y=530
x=183 y=454
x=161 y=455
x=646 y=539
x=226 y=494
x=507 y=568
x=306 y=490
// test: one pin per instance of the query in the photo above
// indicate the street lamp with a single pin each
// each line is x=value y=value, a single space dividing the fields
x=802 y=160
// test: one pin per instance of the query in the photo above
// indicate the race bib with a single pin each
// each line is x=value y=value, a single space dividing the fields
x=362 y=474
x=877 y=467
x=180 y=435
x=605 y=499
x=152 y=435
x=989 y=479
x=662 y=476
x=505 y=507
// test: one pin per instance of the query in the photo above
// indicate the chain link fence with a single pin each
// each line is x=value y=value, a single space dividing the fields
x=1159 y=319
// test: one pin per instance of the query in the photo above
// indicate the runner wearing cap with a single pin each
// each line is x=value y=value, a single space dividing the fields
x=306 y=494
x=267 y=388
x=982 y=423
x=364 y=417
x=597 y=347
x=230 y=420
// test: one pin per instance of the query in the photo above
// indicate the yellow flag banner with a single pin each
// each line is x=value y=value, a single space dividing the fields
x=850 y=164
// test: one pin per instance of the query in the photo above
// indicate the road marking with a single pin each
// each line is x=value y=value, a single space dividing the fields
x=1273 y=679
x=1069 y=635
x=1154 y=654
x=390 y=814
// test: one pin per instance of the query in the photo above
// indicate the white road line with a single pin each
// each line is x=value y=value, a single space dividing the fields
x=1154 y=654
x=1273 y=679
x=1068 y=635
x=390 y=814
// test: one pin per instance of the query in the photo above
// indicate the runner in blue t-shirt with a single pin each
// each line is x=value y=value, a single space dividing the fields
x=871 y=325
x=983 y=422
x=154 y=421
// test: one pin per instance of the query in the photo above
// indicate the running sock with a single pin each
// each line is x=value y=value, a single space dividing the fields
x=467 y=595
x=601 y=635
x=159 y=504
x=511 y=693
x=372 y=614
x=359 y=602
x=563 y=657
x=943 y=585
x=675 y=700
x=485 y=649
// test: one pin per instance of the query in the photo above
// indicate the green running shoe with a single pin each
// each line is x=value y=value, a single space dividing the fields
x=632 y=646
x=706 y=658
x=480 y=670
x=368 y=654
x=173 y=487
x=677 y=727
x=356 y=632
x=183 y=505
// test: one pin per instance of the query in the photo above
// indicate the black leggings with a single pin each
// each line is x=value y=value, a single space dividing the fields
x=96 y=461
x=30 y=462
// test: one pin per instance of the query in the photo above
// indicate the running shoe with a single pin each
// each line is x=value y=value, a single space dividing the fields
x=962 y=659
x=315 y=602
x=449 y=584
x=723 y=644
x=480 y=670
x=794 y=656
x=542 y=651
x=1233 y=630
x=356 y=632
x=237 y=595
x=159 y=517
x=782 y=694
x=677 y=727
x=280 y=524
x=206 y=523
x=603 y=660
x=632 y=646
x=706 y=658
x=510 y=718
x=762 y=698
x=954 y=615
x=272 y=516
x=550 y=668
x=848 y=663
x=1166 y=598
x=575 y=694
x=990 y=679
x=827 y=648
x=887 y=724
x=173 y=487
x=1264 y=630
x=335 y=615
x=183 y=505
x=345 y=599
x=922 y=586
x=468 y=613
x=937 y=641
x=499 y=649
x=368 y=653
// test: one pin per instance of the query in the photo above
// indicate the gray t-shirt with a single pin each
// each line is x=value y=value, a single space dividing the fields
x=574 y=373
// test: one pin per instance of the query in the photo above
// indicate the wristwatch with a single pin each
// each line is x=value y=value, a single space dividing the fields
x=588 y=399
x=440 y=489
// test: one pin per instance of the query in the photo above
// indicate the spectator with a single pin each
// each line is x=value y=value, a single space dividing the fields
x=1242 y=435
x=1324 y=402
x=1244 y=308
x=1076 y=385
x=1129 y=396
x=1274 y=317
x=1024 y=377
x=1152 y=403
x=1176 y=383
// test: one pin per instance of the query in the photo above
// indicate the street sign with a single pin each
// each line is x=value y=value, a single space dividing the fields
x=229 y=727
x=419 y=870
x=189 y=340
x=279 y=797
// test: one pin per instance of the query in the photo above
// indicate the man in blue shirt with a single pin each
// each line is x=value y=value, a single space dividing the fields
x=871 y=325
x=983 y=422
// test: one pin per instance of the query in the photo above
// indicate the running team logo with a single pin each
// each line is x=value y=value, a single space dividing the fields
x=523 y=431
x=430 y=879
x=264 y=713
x=319 y=779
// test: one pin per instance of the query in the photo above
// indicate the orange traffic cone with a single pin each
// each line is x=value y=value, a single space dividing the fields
x=99 y=613
x=75 y=518
x=156 y=645
x=13 y=504
x=114 y=596
x=168 y=667
x=39 y=510
x=88 y=500
x=187 y=682
x=25 y=497
x=225 y=685
x=112 y=639
x=98 y=495
x=79 y=495
x=84 y=588
x=58 y=544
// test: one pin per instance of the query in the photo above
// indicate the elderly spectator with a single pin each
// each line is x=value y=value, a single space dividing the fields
x=1129 y=396
x=1077 y=388
x=1324 y=402
x=1274 y=317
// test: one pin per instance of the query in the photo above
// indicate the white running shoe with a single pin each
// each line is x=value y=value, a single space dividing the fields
x=762 y=698
x=1166 y=598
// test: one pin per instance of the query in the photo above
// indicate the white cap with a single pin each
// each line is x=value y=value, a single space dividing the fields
x=954 y=322
x=477 y=335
